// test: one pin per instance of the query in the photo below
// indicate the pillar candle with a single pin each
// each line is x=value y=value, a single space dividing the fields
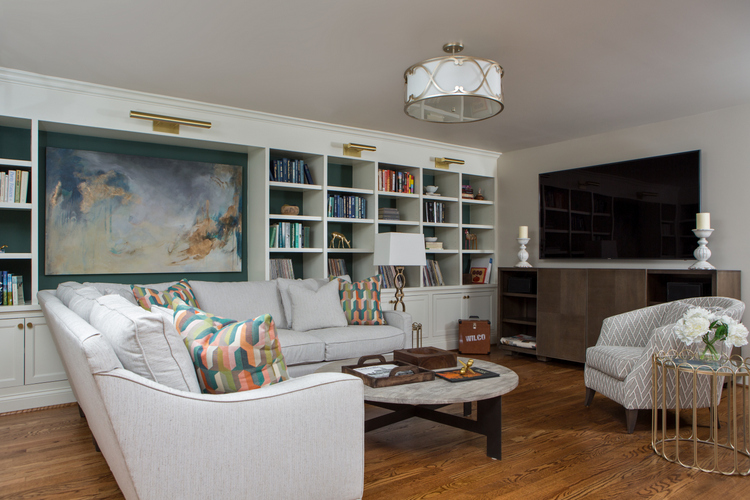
x=703 y=221
x=523 y=231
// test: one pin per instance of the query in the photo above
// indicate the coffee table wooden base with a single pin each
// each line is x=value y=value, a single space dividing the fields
x=488 y=422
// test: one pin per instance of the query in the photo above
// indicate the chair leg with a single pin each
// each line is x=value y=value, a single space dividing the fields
x=631 y=416
x=589 y=396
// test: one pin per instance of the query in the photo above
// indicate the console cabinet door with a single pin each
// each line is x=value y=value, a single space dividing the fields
x=561 y=314
x=611 y=292
x=11 y=355
x=43 y=363
x=418 y=305
x=447 y=309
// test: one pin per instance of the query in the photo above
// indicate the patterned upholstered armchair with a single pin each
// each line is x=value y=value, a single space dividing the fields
x=619 y=365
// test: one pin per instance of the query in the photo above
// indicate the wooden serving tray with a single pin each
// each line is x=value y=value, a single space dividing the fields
x=418 y=374
x=430 y=358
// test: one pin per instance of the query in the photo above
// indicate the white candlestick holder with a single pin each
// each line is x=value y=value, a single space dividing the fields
x=523 y=255
x=702 y=253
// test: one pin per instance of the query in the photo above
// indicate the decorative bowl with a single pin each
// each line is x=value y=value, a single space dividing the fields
x=430 y=189
x=430 y=238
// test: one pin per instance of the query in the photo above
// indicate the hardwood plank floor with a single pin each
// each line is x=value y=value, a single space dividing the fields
x=553 y=448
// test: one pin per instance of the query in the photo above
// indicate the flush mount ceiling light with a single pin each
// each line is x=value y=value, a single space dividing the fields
x=454 y=89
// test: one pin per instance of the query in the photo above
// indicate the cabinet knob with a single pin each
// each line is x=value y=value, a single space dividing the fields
x=29 y=325
x=20 y=326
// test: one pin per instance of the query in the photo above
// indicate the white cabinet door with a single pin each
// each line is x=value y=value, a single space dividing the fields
x=11 y=355
x=482 y=304
x=447 y=310
x=418 y=305
x=43 y=363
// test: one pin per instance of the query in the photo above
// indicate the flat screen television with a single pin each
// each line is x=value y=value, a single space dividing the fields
x=635 y=209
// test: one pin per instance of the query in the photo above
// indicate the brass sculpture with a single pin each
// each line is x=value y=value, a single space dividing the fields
x=467 y=367
x=341 y=239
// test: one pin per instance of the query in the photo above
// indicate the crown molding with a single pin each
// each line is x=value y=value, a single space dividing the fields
x=18 y=77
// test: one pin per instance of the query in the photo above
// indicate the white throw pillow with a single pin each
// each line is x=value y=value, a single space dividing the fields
x=314 y=309
x=146 y=343
x=283 y=284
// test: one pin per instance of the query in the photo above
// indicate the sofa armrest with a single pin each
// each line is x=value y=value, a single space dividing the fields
x=401 y=320
x=303 y=438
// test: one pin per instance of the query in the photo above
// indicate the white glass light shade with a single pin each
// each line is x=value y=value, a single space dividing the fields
x=399 y=249
x=454 y=89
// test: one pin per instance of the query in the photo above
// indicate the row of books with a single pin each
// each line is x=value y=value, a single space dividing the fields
x=281 y=268
x=11 y=289
x=386 y=213
x=431 y=275
x=348 y=206
x=388 y=274
x=289 y=235
x=14 y=186
x=336 y=267
x=434 y=211
x=395 y=181
x=294 y=171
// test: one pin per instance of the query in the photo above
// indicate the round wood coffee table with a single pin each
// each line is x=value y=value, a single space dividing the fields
x=423 y=399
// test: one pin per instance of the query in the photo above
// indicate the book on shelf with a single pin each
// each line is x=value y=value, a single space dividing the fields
x=347 y=206
x=394 y=181
x=434 y=211
x=17 y=291
x=481 y=262
x=289 y=235
x=308 y=175
x=477 y=274
x=281 y=268
x=386 y=213
x=431 y=274
x=389 y=276
x=11 y=289
x=14 y=186
x=433 y=245
x=288 y=170
x=337 y=267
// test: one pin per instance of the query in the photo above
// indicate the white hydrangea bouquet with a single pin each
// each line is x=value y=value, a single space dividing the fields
x=699 y=324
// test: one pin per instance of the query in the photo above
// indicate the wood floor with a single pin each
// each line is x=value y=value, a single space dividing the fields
x=553 y=448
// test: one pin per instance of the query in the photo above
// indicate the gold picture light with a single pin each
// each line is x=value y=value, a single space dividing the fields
x=445 y=162
x=355 y=150
x=168 y=124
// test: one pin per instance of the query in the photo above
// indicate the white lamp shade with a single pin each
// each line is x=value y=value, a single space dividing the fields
x=399 y=249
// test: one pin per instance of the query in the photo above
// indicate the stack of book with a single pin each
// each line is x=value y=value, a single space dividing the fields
x=388 y=214
x=14 y=186
x=11 y=289
x=336 y=267
x=289 y=235
x=431 y=275
x=434 y=211
x=348 y=206
x=395 y=181
x=286 y=170
x=281 y=268
x=467 y=192
x=433 y=245
x=388 y=274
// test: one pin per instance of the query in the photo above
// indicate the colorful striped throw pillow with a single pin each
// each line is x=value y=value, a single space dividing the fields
x=361 y=301
x=231 y=356
x=146 y=297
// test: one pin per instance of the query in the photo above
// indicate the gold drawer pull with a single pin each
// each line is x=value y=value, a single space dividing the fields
x=29 y=325
x=20 y=326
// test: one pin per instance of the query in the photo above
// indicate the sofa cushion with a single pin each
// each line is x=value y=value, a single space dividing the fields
x=241 y=299
x=313 y=309
x=354 y=341
x=147 y=296
x=146 y=343
x=361 y=301
x=283 y=285
x=231 y=356
x=615 y=361
x=301 y=347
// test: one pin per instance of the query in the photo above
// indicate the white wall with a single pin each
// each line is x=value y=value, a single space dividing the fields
x=723 y=137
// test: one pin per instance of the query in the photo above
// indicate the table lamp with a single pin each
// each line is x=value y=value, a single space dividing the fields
x=399 y=250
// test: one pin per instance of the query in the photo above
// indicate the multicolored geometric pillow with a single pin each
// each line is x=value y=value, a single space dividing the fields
x=361 y=301
x=231 y=356
x=148 y=296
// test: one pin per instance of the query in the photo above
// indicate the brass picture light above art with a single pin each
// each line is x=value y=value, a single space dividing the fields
x=169 y=124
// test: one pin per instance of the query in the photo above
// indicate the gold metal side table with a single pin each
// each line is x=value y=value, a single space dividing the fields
x=681 y=382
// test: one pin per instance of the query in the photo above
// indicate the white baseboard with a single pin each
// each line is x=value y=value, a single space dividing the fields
x=44 y=396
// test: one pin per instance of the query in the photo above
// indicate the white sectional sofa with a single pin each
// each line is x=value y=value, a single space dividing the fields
x=162 y=438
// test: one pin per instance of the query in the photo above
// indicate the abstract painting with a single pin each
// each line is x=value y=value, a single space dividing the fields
x=117 y=214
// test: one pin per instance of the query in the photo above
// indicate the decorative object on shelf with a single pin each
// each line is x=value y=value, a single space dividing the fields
x=445 y=163
x=430 y=239
x=355 y=150
x=343 y=241
x=2 y=248
x=289 y=209
x=523 y=255
x=399 y=249
x=453 y=89
x=479 y=195
x=169 y=124
x=430 y=189
x=139 y=214
x=702 y=231
x=699 y=324
x=471 y=240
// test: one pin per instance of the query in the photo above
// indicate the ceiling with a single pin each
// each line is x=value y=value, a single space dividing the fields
x=573 y=68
